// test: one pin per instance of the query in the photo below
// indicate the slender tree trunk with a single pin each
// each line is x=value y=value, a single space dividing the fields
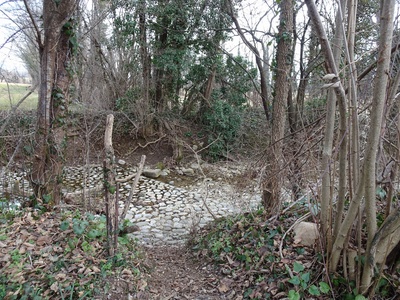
x=273 y=181
x=144 y=109
x=393 y=97
x=331 y=61
x=55 y=55
x=378 y=103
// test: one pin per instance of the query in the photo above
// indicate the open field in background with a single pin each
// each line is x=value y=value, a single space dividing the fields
x=14 y=92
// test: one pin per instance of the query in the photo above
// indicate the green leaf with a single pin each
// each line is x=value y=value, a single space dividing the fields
x=293 y=295
x=295 y=280
x=360 y=297
x=305 y=277
x=112 y=189
x=314 y=291
x=380 y=192
x=46 y=198
x=298 y=267
x=64 y=225
x=93 y=233
x=324 y=287
x=87 y=247
x=79 y=227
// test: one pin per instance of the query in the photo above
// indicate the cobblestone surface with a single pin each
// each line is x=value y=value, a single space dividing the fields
x=164 y=213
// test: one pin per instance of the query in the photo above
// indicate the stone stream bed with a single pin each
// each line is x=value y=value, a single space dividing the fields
x=163 y=212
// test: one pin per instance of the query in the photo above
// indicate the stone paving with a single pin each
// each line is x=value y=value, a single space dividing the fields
x=164 y=213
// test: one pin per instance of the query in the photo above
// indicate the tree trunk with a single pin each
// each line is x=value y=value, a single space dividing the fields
x=378 y=103
x=55 y=52
x=144 y=108
x=273 y=182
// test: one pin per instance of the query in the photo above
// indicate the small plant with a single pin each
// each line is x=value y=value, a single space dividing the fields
x=302 y=282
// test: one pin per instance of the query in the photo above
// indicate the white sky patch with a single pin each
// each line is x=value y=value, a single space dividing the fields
x=9 y=35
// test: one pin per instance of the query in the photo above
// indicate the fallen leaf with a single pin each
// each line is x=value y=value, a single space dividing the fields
x=225 y=285
x=223 y=288
x=42 y=240
x=141 y=285
x=60 y=277
x=54 y=287
x=95 y=269
x=285 y=260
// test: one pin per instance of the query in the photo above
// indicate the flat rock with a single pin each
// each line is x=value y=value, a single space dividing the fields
x=121 y=162
x=188 y=171
x=152 y=173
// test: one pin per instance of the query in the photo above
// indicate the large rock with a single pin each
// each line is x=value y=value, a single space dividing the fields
x=188 y=171
x=151 y=173
x=306 y=233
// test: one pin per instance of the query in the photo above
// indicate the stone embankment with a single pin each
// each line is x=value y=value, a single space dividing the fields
x=164 y=212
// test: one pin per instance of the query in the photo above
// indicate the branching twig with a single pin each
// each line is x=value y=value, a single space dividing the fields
x=145 y=145
x=133 y=188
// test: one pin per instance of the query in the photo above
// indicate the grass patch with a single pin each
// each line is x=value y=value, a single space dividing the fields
x=11 y=93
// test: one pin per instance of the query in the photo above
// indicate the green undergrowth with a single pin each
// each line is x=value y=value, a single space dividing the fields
x=259 y=260
x=63 y=256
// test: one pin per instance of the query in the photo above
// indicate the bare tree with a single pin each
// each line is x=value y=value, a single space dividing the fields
x=380 y=241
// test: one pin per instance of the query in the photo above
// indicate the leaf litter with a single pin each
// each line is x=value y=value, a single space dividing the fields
x=41 y=257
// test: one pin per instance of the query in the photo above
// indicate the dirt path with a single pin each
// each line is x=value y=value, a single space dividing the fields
x=176 y=274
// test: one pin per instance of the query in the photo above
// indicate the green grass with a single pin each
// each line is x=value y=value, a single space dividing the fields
x=13 y=92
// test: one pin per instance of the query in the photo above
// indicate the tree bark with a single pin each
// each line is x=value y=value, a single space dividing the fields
x=272 y=184
x=337 y=93
x=55 y=54
x=378 y=103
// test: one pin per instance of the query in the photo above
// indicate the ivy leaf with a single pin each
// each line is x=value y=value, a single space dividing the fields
x=93 y=233
x=64 y=225
x=298 y=267
x=46 y=198
x=293 y=295
x=324 y=287
x=295 y=280
x=112 y=189
x=305 y=277
x=314 y=291
x=79 y=227
x=360 y=297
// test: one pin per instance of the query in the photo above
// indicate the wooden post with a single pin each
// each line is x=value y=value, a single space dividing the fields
x=110 y=189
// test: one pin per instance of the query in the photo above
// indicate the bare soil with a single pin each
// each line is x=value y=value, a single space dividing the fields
x=177 y=274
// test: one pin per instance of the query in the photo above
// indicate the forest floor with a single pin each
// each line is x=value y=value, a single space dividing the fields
x=61 y=254
x=177 y=274
x=61 y=258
